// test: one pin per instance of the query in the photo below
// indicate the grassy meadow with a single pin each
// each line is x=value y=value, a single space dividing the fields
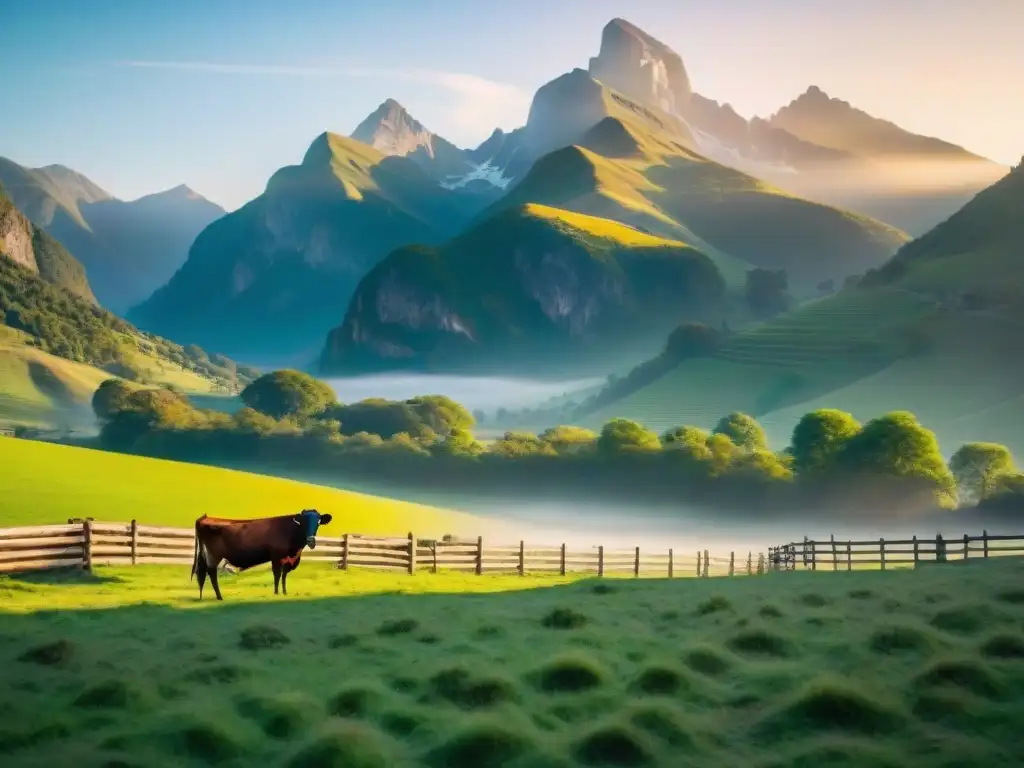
x=45 y=483
x=898 y=669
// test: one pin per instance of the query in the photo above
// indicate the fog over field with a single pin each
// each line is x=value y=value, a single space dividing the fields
x=486 y=393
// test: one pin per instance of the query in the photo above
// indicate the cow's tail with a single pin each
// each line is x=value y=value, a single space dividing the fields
x=195 y=557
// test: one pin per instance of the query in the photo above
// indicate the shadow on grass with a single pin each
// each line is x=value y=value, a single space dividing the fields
x=64 y=576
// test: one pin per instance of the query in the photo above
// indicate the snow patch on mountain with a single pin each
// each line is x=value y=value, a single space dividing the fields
x=486 y=172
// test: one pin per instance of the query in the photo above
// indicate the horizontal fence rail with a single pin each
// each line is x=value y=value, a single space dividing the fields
x=834 y=555
x=87 y=543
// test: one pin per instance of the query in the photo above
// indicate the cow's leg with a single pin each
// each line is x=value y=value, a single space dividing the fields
x=284 y=578
x=276 y=566
x=201 y=575
x=213 y=580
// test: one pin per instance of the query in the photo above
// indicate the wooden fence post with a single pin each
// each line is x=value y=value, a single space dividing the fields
x=698 y=563
x=479 y=555
x=966 y=546
x=881 y=552
x=636 y=563
x=135 y=541
x=87 y=545
x=814 y=556
x=522 y=558
x=561 y=568
x=706 y=561
x=750 y=563
x=916 y=554
x=600 y=561
x=344 y=552
x=412 y=553
x=849 y=556
x=835 y=554
x=732 y=563
x=940 y=548
x=984 y=542
x=670 y=563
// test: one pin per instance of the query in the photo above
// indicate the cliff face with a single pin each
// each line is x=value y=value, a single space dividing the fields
x=550 y=293
x=30 y=247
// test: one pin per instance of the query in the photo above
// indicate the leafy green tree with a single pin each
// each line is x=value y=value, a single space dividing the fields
x=568 y=439
x=767 y=292
x=743 y=430
x=975 y=466
x=458 y=442
x=897 y=446
x=109 y=398
x=441 y=413
x=692 y=340
x=515 y=445
x=818 y=438
x=620 y=436
x=288 y=393
x=692 y=440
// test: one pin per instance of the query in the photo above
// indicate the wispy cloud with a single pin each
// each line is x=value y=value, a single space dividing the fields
x=480 y=104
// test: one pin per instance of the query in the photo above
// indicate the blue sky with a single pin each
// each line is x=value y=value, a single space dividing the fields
x=142 y=95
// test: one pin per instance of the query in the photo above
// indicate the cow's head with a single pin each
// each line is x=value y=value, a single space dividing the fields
x=310 y=520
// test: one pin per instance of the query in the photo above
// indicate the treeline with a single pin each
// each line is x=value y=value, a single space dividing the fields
x=71 y=327
x=292 y=423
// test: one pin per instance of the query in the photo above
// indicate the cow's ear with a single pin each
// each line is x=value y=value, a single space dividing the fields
x=325 y=519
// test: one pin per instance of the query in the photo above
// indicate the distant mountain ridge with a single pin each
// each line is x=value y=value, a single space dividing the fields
x=128 y=248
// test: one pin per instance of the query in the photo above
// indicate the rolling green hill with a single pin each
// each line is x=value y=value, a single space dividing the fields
x=637 y=166
x=535 y=286
x=935 y=331
x=275 y=275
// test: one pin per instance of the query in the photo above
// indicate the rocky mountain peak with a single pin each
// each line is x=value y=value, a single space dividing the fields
x=391 y=130
x=641 y=67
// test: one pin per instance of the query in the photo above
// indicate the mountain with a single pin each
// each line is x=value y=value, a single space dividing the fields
x=636 y=165
x=818 y=147
x=274 y=276
x=935 y=331
x=30 y=247
x=128 y=248
x=556 y=289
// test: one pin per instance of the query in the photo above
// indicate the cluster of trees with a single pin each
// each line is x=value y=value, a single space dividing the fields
x=71 y=327
x=293 y=422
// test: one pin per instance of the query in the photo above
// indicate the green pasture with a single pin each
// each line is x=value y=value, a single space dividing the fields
x=897 y=669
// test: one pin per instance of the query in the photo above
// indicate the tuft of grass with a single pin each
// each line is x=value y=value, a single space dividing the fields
x=563 y=618
x=601 y=588
x=1014 y=596
x=207 y=741
x=761 y=642
x=394 y=627
x=219 y=674
x=714 y=604
x=900 y=638
x=283 y=716
x=962 y=619
x=827 y=704
x=707 y=660
x=342 y=641
x=861 y=594
x=357 y=700
x=483 y=743
x=965 y=674
x=770 y=612
x=108 y=694
x=345 y=744
x=813 y=600
x=613 y=744
x=570 y=673
x=261 y=637
x=664 y=722
x=460 y=686
x=1003 y=646
x=660 y=680
x=52 y=654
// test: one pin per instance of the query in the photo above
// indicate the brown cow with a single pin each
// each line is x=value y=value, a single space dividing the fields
x=246 y=543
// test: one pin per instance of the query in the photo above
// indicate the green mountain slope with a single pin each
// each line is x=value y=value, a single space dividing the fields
x=275 y=275
x=935 y=331
x=24 y=243
x=533 y=286
x=637 y=165
x=129 y=248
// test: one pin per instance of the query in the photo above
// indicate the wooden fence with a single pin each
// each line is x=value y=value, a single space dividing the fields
x=884 y=553
x=85 y=543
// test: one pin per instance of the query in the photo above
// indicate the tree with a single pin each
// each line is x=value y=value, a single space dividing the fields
x=458 y=442
x=620 y=436
x=110 y=397
x=826 y=287
x=288 y=393
x=743 y=430
x=441 y=413
x=976 y=466
x=819 y=437
x=897 y=446
x=692 y=340
x=767 y=292
x=567 y=439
